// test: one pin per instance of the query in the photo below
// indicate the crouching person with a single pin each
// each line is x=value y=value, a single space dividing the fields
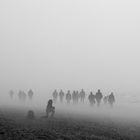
x=30 y=115
x=50 y=109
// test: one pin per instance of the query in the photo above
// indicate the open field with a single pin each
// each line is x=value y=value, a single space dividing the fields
x=15 y=126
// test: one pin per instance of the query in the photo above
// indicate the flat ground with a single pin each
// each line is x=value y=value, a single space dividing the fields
x=15 y=126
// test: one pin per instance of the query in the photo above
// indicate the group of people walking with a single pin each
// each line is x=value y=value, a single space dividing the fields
x=77 y=96
x=22 y=95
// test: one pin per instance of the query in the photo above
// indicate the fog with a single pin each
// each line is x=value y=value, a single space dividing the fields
x=47 y=45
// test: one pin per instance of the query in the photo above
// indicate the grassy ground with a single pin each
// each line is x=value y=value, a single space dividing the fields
x=15 y=126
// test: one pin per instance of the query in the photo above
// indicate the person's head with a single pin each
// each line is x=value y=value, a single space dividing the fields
x=91 y=93
x=98 y=90
x=50 y=102
x=111 y=93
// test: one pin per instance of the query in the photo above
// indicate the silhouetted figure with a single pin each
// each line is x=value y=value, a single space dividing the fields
x=50 y=109
x=55 y=95
x=22 y=95
x=99 y=97
x=75 y=97
x=111 y=99
x=82 y=95
x=105 y=100
x=30 y=115
x=68 y=97
x=30 y=94
x=61 y=95
x=11 y=93
x=19 y=94
x=91 y=99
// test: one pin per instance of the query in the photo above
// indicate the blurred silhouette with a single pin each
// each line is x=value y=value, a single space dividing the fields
x=105 y=99
x=61 y=95
x=19 y=94
x=99 y=97
x=50 y=109
x=82 y=96
x=75 y=97
x=30 y=94
x=55 y=95
x=91 y=99
x=11 y=93
x=68 y=97
x=111 y=99
x=30 y=115
x=22 y=95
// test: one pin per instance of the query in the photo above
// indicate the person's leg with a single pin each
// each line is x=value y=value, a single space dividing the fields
x=47 y=114
x=98 y=103
x=53 y=111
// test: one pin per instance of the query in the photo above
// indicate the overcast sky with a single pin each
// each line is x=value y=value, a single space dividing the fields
x=90 y=44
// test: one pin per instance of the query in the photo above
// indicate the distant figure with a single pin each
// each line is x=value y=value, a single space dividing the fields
x=55 y=95
x=111 y=99
x=61 y=95
x=50 y=109
x=82 y=95
x=105 y=99
x=91 y=99
x=68 y=97
x=11 y=93
x=22 y=95
x=99 y=97
x=75 y=97
x=30 y=94
x=30 y=115
x=19 y=94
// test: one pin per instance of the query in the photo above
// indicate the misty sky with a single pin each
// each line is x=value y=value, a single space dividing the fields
x=47 y=44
